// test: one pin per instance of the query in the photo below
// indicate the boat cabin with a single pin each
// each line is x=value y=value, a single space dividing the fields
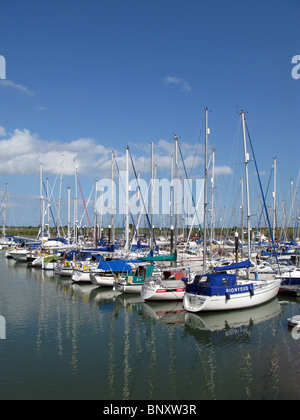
x=212 y=284
x=142 y=271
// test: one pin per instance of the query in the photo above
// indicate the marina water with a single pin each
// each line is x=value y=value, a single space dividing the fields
x=79 y=342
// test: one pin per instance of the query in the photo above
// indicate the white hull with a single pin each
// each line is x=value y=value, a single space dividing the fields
x=263 y=292
x=81 y=276
x=167 y=290
x=64 y=271
x=37 y=262
x=19 y=255
x=102 y=280
x=128 y=288
x=50 y=265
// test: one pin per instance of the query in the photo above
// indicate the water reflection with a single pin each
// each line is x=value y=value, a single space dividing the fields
x=169 y=313
x=242 y=336
x=97 y=343
x=233 y=323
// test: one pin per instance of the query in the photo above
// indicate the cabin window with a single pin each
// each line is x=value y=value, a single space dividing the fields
x=197 y=280
x=141 y=271
x=225 y=282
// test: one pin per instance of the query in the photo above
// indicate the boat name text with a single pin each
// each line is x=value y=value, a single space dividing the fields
x=238 y=289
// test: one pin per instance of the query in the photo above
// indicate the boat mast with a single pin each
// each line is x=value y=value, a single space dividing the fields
x=205 y=190
x=274 y=199
x=242 y=215
x=69 y=214
x=127 y=201
x=292 y=210
x=112 y=200
x=95 y=214
x=151 y=198
x=246 y=161
x=75 y=205
x=59 y=197
x=4 y=211
x=212 y=198
x=171 y=200
x=176 y=192
x=41 y=203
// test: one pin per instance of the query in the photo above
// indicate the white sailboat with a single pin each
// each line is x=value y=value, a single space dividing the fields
x=18 y=254
x=168 y=285
x=219 y=291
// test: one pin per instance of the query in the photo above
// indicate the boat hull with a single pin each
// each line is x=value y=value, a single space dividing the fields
x=128 y=288
x=19 y=255
x=103 y=280
x=64 y=271
x=290 y=284
x=81 y=276
x=263 y=292
x=162 y=292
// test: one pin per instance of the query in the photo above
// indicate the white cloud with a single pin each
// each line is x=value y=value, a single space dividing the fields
x=182 y=83
x=21 y=152
x=223 y=170
x=2 y=131
x=18 y=86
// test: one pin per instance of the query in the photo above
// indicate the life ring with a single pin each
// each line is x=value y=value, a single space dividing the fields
x=86 y=268
x=67 y=264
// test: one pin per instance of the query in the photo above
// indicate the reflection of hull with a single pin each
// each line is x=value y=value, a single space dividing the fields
x=163 y=290
x=167 y=312
x=218 y=321
x=105 y=294
x=85 y=289
x=125 y=300
x=263 y=292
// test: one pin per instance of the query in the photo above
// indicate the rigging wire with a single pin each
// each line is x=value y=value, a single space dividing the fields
x=263 y=197
x=139 y=189
x=193 y=200
x=92 y=230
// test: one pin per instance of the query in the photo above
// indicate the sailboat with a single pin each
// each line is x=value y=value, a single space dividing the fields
x=219 y=290
x=133 y=282
x=146 y=268
x=107 y=271
x=168 y=285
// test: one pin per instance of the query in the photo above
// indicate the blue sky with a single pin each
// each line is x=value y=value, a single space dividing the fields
x=87 y=77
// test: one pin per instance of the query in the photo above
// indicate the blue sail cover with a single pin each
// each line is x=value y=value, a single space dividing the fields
x=117 y=266
x=242 y=264
x=218 y=284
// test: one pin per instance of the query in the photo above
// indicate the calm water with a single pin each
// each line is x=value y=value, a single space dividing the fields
x=66 y=341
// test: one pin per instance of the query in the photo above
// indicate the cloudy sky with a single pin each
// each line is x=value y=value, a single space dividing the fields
x=84 y=78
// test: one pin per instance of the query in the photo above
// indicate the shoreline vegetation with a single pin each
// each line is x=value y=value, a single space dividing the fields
x=219 y=234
